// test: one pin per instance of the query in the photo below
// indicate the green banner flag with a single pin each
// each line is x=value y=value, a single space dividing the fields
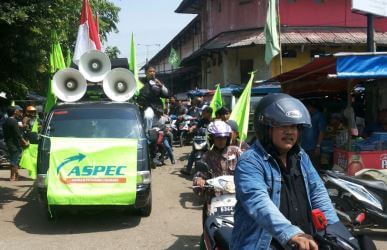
x=241 y=111
x=174 y=58
x=92 y=171
x=133 y=64
x=29 y=159
x=272 y=47
x=216 y=102
x=29 y=156
x=57 y=62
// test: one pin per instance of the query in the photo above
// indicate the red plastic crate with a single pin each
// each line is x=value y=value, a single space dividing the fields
x=352 y=162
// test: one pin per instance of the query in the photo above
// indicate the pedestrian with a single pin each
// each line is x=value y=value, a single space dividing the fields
x=14 y=139
x=277 y=187
x=313 y=136
x=379 y=126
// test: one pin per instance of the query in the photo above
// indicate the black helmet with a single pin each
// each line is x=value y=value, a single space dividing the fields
x=279 y=110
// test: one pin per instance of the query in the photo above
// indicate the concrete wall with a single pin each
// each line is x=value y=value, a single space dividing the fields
x=228 y=71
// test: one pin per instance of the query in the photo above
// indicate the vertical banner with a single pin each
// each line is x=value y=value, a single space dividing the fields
x=92 y=171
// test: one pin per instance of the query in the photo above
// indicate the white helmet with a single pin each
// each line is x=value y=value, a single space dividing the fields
x=219 y=129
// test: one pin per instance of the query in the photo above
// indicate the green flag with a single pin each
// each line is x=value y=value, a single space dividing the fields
x=272 y=47
x=174 y=58
x=57 y=62
x=216 y=102
x=133 y=64
x=29 y=156
x=241 y=111
x=35 y=126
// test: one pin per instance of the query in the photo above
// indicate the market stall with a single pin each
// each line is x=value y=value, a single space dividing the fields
x=337 y=75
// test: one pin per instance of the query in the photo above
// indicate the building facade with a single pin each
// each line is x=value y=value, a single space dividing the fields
x=225 y=40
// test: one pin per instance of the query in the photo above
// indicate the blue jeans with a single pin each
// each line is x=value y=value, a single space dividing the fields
x=191 y=159
x=168 y=149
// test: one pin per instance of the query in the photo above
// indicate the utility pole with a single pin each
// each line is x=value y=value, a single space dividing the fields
x=370 y=33
x=147 y=46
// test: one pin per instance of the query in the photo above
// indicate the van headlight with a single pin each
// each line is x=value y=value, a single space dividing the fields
x=143 y=177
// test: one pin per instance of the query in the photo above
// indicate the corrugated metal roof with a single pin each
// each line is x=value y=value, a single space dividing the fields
x=320 y=36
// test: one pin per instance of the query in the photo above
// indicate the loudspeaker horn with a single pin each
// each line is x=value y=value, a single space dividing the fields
x=94 y=65
x=69 y=85
x=119 y=85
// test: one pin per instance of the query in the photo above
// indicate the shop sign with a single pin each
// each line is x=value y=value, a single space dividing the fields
x=383 y=161
x=376 y=7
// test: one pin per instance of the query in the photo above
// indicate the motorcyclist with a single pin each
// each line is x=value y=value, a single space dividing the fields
x=202 y=123
x=235 y=139
x=222 y=158
x=276 y=183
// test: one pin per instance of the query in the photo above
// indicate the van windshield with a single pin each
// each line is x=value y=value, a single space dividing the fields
x=94 y=123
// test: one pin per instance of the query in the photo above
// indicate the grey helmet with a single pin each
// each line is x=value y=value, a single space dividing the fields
x=279 y=110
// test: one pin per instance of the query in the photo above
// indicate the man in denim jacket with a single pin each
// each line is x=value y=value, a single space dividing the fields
x=276 y=183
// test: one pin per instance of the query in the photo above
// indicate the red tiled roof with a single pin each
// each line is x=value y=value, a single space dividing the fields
x=319 y=36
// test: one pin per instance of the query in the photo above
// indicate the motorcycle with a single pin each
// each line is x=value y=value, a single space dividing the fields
x=4 y=157
x=336 y=236
x=184 y=124
x=218 y=221
x=351 y=197
x=200 y=144
x=218 y=210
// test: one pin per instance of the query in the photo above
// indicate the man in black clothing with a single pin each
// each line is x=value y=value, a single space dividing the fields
x=202 y=123
x=149 y=97
x=13 y=139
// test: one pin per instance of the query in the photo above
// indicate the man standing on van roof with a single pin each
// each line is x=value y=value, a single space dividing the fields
x=150 y=95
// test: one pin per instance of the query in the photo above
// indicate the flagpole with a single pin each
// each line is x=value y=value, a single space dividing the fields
x=279 y=35
x=171 y=78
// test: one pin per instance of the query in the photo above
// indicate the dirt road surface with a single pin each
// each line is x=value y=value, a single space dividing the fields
x=175 y=222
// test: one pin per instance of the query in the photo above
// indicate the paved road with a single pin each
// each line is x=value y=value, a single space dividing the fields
x=174 y=222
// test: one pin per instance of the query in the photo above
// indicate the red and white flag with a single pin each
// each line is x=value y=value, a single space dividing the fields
x=88 y=37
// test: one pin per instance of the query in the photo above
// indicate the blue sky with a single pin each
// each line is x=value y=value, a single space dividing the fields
x=152 y=22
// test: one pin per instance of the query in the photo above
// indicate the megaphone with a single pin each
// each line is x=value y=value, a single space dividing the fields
x=94 y=65
x=69 y=85
x=119 y=85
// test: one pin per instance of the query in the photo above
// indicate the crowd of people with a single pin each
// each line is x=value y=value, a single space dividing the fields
x=17 y=124
x=277 y=185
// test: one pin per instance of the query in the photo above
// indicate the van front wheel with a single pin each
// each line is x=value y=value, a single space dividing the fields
x=146 y=211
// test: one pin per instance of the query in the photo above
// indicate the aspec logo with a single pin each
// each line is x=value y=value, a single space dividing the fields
x=90 y=174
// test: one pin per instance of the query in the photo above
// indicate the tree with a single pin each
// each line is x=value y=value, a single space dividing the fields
x=112 y=52
x=25 y=28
